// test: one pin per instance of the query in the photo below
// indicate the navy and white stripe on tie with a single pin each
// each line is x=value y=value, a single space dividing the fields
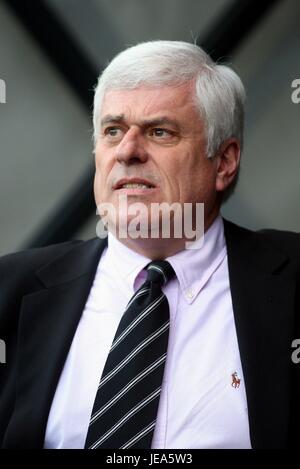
x=126 y=403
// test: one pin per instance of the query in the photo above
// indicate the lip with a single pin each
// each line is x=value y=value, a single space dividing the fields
x=136 y=191
x=119 y=184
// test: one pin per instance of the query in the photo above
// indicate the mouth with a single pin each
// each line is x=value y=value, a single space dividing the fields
x=135 y=184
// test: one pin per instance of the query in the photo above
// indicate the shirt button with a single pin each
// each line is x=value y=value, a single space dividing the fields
x=189 y=294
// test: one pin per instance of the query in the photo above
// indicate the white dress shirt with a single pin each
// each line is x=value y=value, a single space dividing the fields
x=199 y=407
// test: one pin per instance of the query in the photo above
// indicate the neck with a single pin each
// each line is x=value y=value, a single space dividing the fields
x=161 y=248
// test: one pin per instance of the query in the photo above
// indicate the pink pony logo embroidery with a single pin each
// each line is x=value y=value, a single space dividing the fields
x=235 y=380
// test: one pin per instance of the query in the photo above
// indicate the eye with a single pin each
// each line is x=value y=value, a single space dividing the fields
x=113 y=133
x=160 y=133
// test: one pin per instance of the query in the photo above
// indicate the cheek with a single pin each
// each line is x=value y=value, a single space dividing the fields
x=98 y=160
x=102 y=168
x=200 y=184
x=100 y=185
x=98 y=178
x=97 y=189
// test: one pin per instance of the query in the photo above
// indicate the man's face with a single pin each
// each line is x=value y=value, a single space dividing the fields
x=155 y=136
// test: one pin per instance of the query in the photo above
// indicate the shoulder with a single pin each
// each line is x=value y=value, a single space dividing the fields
x=15 y=264
x=18 y=271
x=285 y=240
x=265 y=243
x=28 y=272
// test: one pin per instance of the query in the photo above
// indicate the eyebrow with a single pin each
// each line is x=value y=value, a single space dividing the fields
x=119 y=118
x=111 y=118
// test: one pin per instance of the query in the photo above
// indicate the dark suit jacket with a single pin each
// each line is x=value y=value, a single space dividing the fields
x=43 y=293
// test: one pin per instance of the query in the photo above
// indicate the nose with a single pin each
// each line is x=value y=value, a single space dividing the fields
x=131 y=149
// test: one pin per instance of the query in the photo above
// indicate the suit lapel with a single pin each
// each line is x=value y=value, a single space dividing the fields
x=49 y=319
x=262 y=292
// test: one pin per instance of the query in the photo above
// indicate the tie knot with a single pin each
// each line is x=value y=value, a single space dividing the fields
x=160 y=272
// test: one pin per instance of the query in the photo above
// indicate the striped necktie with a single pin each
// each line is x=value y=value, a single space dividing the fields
x=126 y=403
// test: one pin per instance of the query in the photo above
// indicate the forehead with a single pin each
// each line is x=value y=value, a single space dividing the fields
x=150 y=101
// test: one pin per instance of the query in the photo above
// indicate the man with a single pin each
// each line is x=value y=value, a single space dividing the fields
x=168 y=129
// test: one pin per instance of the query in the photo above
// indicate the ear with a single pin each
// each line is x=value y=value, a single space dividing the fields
x=228 y=160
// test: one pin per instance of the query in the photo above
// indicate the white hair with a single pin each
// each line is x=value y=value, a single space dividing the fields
x=219 y=92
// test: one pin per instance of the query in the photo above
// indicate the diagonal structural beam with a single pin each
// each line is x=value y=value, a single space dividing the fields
x=66 y=56
x=233 y=26
x=52 y=36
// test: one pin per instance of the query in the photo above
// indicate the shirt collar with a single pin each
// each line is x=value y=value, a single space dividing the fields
x=127 y=264
x=193 y=267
